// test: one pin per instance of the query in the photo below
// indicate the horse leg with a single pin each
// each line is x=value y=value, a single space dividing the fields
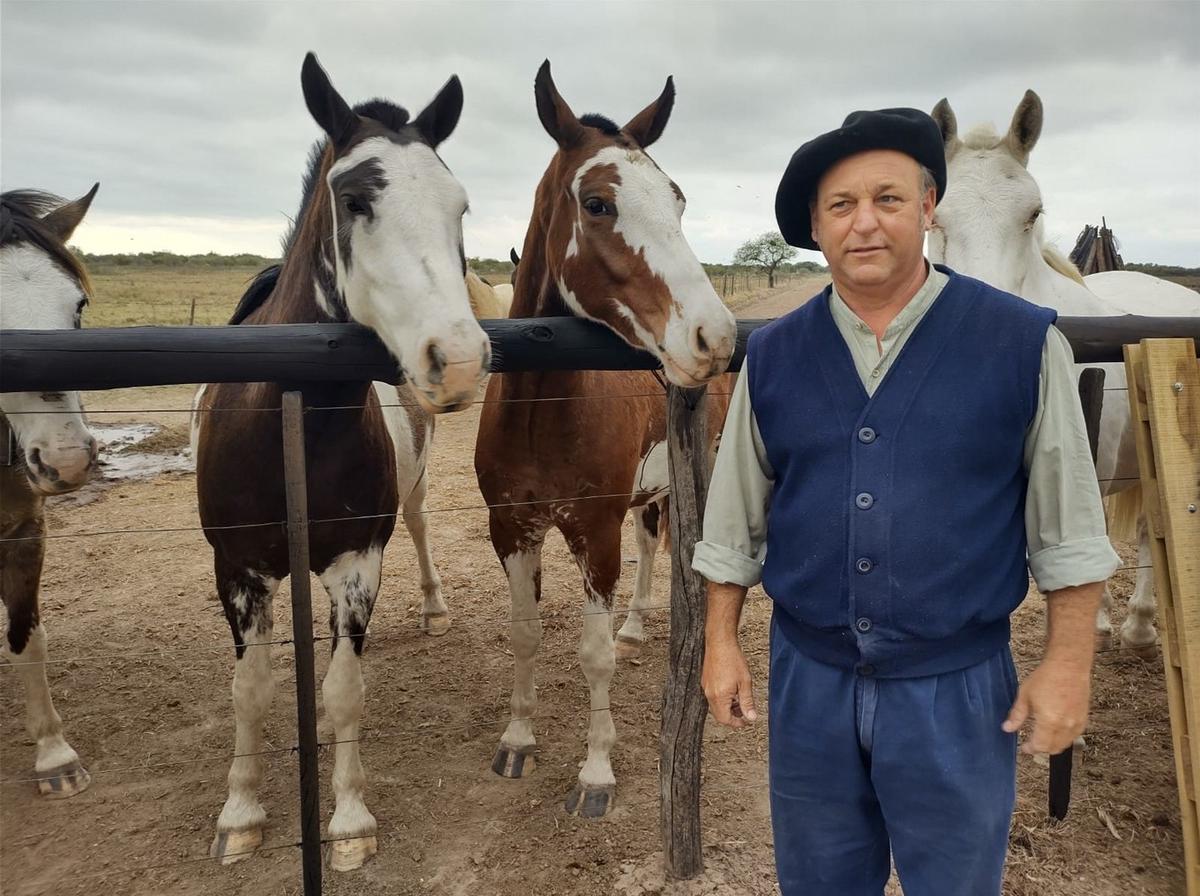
x=646 y=527
x=522 y=561
x=1104 y=630
x=1137 y=631
x=59 y=772
x=352 y=581
x=597 y=549
x=435 y=615
x=246 y=597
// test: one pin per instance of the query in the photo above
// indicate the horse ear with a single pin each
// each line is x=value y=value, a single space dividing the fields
x=1026 y=127
x=439 y=119
x=513 y=256
x=64 y=219
x=647 y=126
x=947 y=123
x=557 y=118
x=325 y=104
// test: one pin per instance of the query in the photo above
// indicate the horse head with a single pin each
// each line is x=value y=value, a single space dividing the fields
x=395 y=226
x=45 y=287
x=607 y=243
x=989 y=223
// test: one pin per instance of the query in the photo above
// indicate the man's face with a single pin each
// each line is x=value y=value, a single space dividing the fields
x=870 y=219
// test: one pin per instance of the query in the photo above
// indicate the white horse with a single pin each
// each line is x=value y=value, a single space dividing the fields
x=989 y=226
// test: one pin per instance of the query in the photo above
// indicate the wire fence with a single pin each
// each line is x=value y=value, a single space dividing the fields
x=371 y=735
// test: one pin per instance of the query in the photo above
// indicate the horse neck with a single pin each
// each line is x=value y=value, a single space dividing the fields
x=1046 y=286
x=535 y=294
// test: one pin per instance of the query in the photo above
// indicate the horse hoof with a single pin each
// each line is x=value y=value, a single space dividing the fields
x=347 y=855
x=435 y=624
x=590 y=802
x=233 y=846
x=511 y=762
x=64 y=781
x=1104 y=641
x=627 y=648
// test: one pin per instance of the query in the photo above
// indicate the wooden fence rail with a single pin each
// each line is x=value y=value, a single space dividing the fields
x=62 y=360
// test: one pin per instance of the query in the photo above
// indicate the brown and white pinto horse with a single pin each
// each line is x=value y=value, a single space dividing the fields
x=43 y=286
x=378 y=240
x=604 y=243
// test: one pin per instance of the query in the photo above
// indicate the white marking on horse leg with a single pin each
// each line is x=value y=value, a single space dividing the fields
x=1137 y=631
x=352 y=581
x=524 y=569
x=1103 y=624
x=598 y=660
x=42 y=721
x=253 y=689
x=631 y=635
x=435 y=615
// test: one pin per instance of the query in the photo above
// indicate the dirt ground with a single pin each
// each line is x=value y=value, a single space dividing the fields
x=141 y=673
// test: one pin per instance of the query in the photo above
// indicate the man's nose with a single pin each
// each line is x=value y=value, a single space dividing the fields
x=865 y=217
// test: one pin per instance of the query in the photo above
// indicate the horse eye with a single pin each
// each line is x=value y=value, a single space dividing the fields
x=596 y=207
x=353 y=205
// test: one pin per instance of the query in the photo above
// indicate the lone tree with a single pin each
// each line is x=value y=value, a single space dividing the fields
x=766 y=252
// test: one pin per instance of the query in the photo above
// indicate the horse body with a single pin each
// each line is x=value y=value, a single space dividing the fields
x=577 y=450
x=379 y=241
x=989 y=225
x=43 y=286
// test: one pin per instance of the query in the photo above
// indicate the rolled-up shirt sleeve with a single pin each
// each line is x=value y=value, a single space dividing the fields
x=739 y=497
x=1064 y=515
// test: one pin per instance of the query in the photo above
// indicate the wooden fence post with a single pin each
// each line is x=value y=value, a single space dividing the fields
x=296 y=487
x=1164 y=399
x=1091 y=397
x=684 y=706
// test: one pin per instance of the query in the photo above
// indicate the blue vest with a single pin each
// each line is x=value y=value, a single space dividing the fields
x=896 y=531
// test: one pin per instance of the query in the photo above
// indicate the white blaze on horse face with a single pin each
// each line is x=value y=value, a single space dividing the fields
x=985 y=223
x=404 y=276
x=698 y=338
x=37 y=294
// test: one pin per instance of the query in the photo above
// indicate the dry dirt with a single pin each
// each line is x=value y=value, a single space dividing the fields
x=141 y=674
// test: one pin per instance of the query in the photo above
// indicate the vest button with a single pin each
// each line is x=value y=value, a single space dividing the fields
x=866 y=669
x=866 y=435
x=863 y=625
x=864 y=500
x=863 y=565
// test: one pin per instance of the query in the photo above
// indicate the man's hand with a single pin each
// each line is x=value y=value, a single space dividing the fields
x=727 y=684
x=1055 y=696
x=726 y=677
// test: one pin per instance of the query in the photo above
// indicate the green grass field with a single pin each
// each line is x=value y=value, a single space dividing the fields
x=131 y=296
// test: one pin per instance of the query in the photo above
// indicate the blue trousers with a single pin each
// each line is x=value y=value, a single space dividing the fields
x=915 y=770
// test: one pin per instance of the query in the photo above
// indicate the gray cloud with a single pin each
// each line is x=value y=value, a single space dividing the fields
x=194 y=109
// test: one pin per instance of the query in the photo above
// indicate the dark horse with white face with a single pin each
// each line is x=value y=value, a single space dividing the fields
x=605 y=243
x=43 y=286
x=378 y=240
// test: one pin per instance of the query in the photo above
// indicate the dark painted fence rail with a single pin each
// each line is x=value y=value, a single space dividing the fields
x=59 y=360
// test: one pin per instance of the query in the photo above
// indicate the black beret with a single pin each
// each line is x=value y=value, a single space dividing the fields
x=909 y=131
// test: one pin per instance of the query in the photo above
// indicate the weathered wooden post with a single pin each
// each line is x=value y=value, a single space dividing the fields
x=684 y=706
x=1164 y=401
x=1091 y=397
x=296 y=487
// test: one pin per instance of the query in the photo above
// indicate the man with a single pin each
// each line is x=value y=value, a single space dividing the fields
x=899 y=453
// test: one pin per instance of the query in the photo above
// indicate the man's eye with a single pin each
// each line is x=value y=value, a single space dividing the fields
x=889 y=198
x=597 y=207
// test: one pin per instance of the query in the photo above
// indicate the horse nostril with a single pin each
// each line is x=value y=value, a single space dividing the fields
x=437 y=361
x=701 y=343
x=35 y=459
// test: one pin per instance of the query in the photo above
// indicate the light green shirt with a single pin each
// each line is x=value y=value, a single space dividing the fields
x=1064 y=517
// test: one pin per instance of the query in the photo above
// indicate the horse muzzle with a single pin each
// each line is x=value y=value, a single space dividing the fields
x=60 y=469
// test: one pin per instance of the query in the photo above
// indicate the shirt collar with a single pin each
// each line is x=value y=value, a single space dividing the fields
x=935 y=280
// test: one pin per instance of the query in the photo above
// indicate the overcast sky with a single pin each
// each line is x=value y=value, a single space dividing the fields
x=190 y=114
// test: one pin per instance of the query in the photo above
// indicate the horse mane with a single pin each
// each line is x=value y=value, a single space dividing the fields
x=1061 y=264
x=256 y=293
x=21 y=214
x=601 y=123
x=982 y=136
